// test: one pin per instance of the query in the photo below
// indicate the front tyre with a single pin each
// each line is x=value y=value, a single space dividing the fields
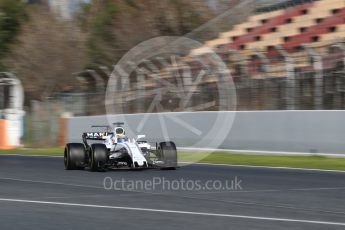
x=74 y=156
x=98 y=158
x=168 y=154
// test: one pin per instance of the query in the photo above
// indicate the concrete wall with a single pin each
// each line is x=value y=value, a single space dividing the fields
x=291 y=131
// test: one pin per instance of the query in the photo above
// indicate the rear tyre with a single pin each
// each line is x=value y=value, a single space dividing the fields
x=168 y=154
x=74 y=156
x=98 y=158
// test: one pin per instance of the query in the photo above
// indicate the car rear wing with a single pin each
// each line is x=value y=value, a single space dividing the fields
x=96 y=135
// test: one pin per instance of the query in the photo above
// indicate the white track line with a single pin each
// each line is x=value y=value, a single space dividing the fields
x=174 y=212
x=274 y=190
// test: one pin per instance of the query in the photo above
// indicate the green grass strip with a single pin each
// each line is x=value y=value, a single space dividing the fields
x=307 y=162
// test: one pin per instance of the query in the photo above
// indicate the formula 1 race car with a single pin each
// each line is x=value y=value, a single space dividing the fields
x=116 y=150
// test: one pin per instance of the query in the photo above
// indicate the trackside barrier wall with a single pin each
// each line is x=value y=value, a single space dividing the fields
x=291 y=131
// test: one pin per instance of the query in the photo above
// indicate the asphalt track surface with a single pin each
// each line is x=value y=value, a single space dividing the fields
x=37 y=193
